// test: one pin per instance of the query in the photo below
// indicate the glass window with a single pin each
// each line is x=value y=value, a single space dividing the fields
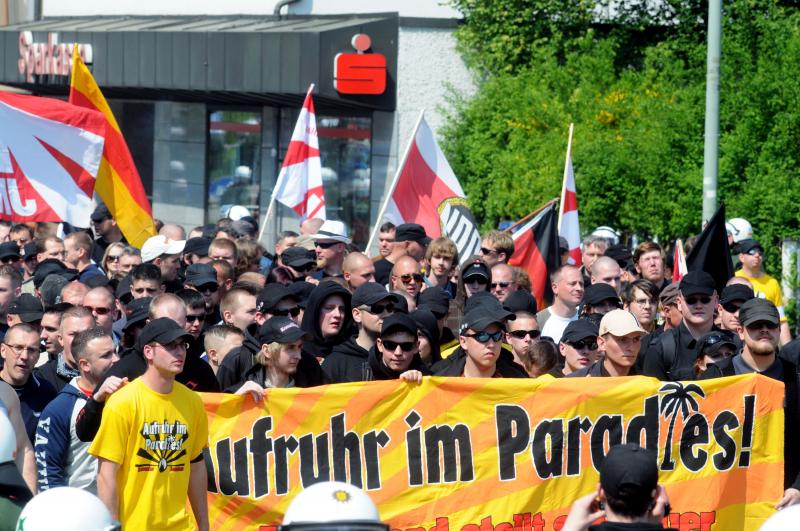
x=234 y=161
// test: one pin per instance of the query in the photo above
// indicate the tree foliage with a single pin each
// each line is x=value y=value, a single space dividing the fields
x=635 y=89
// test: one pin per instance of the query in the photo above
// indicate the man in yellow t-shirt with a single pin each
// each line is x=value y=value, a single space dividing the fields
x=151 y=440
x=751 y=256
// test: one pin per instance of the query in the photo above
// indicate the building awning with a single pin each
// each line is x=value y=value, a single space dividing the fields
x=249 y=60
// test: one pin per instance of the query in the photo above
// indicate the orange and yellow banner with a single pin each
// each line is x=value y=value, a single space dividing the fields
x=495 y=455
x=118 y=183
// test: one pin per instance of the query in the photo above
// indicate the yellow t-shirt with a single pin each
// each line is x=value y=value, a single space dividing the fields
x=766 y=287
x=153 y=437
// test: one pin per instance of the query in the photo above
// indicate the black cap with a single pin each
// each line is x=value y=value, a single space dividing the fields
x=712 y=341
x=745 y=246
x=436 y=299
x=398 y=322
x=50 y=290
x=124 y=287
x=28 y=307
x=758 y=310
x=302 y=290
x=402 y=303
x=51 y=266
x=29 y=251
x=481 y=298
x=97 y=281
x=563 y=244
x=697 y=282
x=370 y=293
x=520 y=301
x=427 y=324
x=597 y=293
x=140 y=310
x=736 y=292
x=271 y=295
x=482 y=317
x=280 y=330
x=201 y=274
x=9 y=250
x=198 y=246
x=163 y=331
x=628 y=469
x=411 y=232
x=579 y=329
x=476 y=268
x=100 y=213
x=298 y=257
x=620 y=253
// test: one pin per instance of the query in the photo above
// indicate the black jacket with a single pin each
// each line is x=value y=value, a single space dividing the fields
x=678 y=365
x=454 y=364
x=624 y=526
x=319 y=346
x=791 y=408
x=348 y=362
x=379 y=370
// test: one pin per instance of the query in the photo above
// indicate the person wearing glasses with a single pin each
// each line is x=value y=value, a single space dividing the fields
x=407 y=276
x=618 y=340
x=751 y=257
x=410 y=240
x=300 y=262
x=101 y=302
x=497 y=247
x=640 y=297
x=504 y=281
x=276 y=300
x=671 y=355
x=577 y=348
x=523 y=332
x=20 y=352
x=106 y=230
x=151 y=440
x=731 y=299
x=203 y=279
x=330 y=243
x=480 y=353
x=713 y=347
x=600 y=298
x=111 y=261
x=760 y=336
x=350 y=361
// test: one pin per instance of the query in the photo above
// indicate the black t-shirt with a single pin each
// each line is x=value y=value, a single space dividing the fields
x=33 y=397
x=383 y=271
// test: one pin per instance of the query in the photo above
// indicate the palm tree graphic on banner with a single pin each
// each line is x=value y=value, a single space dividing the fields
x=678 y=400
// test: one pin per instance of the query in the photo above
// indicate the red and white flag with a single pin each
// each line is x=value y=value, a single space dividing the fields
x=568 y=225
x=299 y=184
x=427 y=192
x=50 y=153
x=679 y=268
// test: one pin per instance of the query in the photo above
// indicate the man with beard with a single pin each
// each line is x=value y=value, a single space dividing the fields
x=760 y=335
x=331 y=242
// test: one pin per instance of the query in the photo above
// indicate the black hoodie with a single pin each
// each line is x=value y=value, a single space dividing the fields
x=348 y=362
x=454 y=364
x=318 y=346
x=381 y=372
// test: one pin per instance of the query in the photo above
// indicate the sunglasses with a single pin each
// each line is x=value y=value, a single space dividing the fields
x=306 y=268
x=194 y=318
x=756 y=251
x=113 y=258
x=487 y=252
x=484 y=337
x=405 y=346
x=208 y=288
x=10 y=259
x=758 y=325
x=520 y=334
x=713 y=339
x=99 y=310
x=294 y=312
x=503 y=285
x=691 y=301
x=731 y=307
x=408 y=279
x=476 y=279
x=378 y=308
x=583 y=344
x=326 y=245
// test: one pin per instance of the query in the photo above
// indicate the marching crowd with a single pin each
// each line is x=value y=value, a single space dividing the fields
x=103 y=344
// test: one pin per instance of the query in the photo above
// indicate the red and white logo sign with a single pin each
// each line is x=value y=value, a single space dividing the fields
x=47 y=58
x=360 y=73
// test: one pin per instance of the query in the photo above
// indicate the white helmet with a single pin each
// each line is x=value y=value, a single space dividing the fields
x=739 y=228
x=8 y=439
x=608 y=233
x=56 y=509
x=331 y=504
x=784 y=520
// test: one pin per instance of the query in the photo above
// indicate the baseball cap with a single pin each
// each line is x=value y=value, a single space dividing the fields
x=597 y=293
x=370 y=293
x=712 y=341
x=411 y=232
x=9 y=250
x=745 y=246
x=198 y=246
x=271 y=295
x=96 y=281
x=298 y=257
x=140 y=309
x=697 y=282
x=520 y=301
x=332 y=230
x=758 y=310
x=50 y=290
x=28 y=307
x=29 y=251
x=158 y=245
x=478 y=268
x=620 y=253
x=398 y=322
x=482 y=298
x=163 y=331
x=302 y=290
x=669 y=295
x=481 y=317
x=201 y=274
x=579 y=329
x=52 y=266
x=628 y=469
x=101 y=213
x=563 y=244
x=435 y=299
x=736 y=292
x=619 y=323
x=280 y=330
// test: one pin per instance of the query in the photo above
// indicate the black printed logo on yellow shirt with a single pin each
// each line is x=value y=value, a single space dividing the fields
x=163 y=446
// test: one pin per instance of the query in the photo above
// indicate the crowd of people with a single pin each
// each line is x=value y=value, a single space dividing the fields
x=104 y=344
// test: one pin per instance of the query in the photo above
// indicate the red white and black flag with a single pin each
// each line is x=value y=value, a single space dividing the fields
x=536 y=251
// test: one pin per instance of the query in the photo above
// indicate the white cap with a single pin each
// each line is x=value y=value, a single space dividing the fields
x=739 y=228
x=331 y=502
x=238 y=212
x=620 y=323
x=332 y=230
x=66 y=509
x=157 y=245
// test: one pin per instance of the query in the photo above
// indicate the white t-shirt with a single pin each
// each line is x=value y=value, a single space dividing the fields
x=555 y=325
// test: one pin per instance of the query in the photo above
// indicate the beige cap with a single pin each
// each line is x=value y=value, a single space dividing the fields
x=620 y=323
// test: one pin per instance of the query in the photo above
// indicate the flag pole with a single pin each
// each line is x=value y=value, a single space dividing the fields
x=564 y=182
x=275 y=188
x=390 y=192
x=529 y=216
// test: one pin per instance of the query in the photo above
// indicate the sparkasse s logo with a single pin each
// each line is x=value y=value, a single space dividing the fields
x=360 y=73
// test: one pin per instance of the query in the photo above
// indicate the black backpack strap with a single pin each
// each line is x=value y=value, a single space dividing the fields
x=669 y=347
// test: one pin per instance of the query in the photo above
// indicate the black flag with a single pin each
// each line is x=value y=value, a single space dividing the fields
x=711 y=252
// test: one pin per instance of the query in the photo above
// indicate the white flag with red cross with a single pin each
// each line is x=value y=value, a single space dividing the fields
x=568 y=225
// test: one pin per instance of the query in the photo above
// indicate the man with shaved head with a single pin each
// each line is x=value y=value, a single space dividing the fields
x=407 y=276
x=504 y=281
x=103 y=306
x=358 y=270
x=607 y=271
x=173 y=232
x=74 y=292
